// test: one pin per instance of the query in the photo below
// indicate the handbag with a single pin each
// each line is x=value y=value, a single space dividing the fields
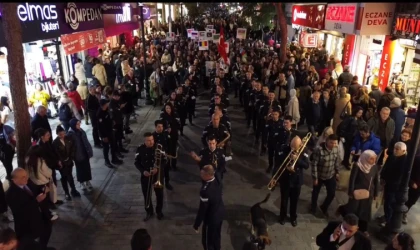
x=344 y=114
x=362 y=194
x=53 y=191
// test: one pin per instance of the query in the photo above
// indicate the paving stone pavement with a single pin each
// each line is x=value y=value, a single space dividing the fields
x=106 y=218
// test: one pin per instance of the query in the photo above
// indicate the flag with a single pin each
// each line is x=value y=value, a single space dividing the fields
x=203 y=43
x=221 y=46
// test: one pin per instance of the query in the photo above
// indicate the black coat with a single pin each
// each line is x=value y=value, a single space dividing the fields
x=39 y=122
x=392 y=172
x=323 y=239
x=26 y=212
x=49 y=154
x=66 y=153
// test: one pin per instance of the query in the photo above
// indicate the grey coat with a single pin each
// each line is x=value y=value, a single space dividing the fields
x=390 y=129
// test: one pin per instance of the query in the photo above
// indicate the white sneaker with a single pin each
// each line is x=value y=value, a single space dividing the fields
x=83 y=186
x=88 y=185
x=54 y=217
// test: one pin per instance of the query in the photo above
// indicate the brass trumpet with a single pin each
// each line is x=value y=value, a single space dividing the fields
x=289 y=163
x=158 y=162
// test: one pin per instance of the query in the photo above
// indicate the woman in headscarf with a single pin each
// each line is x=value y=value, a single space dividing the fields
x=364 y=176
x=83 y=154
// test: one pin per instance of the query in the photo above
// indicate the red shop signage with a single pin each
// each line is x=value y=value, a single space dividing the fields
x=386 y=62
x=76 y=42
x=312 y=16
x=407 y=26
x=348 y=50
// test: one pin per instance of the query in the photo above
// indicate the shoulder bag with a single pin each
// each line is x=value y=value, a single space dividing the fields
x=362 y=194
x=344 y=114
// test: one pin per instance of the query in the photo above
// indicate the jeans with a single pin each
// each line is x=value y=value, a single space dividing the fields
x=330 y=185
x=389 y=203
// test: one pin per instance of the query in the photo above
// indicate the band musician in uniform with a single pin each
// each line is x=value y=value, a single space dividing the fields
x=284 y=136
x=211 y=155
x=163 y=138
x=211 y=211
x=145 y=163
x=215 y=129
x=265 y=113
x=291 y=180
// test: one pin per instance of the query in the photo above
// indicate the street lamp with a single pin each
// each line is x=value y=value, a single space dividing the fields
x=145 y=80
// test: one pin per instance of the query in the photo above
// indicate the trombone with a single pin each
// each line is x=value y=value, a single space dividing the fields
x=289 y=163
x=221 y=144
x=158 y=164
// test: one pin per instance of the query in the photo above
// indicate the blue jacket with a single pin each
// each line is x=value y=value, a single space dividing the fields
x=398 y=115
x=373 y=143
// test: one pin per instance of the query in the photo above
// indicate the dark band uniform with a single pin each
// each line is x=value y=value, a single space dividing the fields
x=290 y=182
x=145 y=161
x=211 y=212
x=219 y=133
x=105 y=128
x=224 y=98
x=263 y=113
x=172 y=122
x=207 y=158
x=270 y=139
x=212 y=106
x=190 y=100
x=118 y=121
x=164 y=140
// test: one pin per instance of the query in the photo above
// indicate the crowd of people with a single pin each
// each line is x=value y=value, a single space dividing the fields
x=349 y=128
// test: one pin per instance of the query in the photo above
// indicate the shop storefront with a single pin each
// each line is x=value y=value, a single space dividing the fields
x=340 y=22
x=121 y=28
x=404 y=54
x=81 y=27
x=40 y=33
x=373 y=25
x=309 y=19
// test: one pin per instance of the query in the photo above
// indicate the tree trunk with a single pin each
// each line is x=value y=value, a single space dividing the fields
x=283 y=31
x=15 y=61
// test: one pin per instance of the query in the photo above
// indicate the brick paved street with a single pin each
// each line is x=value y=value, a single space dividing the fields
x=106 y=218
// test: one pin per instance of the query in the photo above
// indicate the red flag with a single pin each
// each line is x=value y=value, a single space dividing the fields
x=221 y=47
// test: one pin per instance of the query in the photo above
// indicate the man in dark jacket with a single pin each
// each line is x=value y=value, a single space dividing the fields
x=118 y=68
x=328 y=108
x=88 y=66
x=30 y=222
x=398 y=115
x=106 y=133
x=385 y=100
x=345 y=78
x=384 y=127
x=376 y=93
x=111 y=73
x=40 y=120
x=345 y=233
x=128 y=108
x=391 y=176
x=313 y=112
x=414 y=186
x=92 y=106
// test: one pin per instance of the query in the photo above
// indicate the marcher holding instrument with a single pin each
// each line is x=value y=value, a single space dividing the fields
x=151 y=176
x=211 y=155
x=291 y=180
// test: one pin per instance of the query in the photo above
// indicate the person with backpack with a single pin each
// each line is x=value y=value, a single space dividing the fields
x=66 y=111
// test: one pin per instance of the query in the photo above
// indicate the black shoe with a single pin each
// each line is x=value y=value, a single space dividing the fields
x=148 y=216
x=128 y=131
x=169 y=186
x=98 y=146
x=117 y=161
x=75 y=193
x=59 y=202
x=68 y=198
x=124 y=150
x=119 y=155
x=108 y=164
x=160 y=216
x=282 y=221
x=269 y=169
x=294 y=223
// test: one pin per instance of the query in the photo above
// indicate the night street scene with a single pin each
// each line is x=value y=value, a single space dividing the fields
x=204 y=125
